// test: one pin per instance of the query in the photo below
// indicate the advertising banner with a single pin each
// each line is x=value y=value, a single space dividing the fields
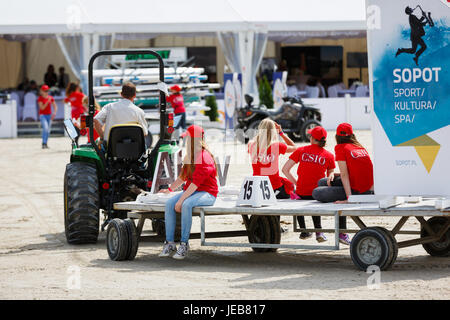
x=232 y=97
x=409 y=65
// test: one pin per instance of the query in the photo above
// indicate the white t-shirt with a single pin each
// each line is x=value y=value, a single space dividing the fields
x=121 y=112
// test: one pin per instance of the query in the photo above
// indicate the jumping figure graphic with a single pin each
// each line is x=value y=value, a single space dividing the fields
x=417 y=32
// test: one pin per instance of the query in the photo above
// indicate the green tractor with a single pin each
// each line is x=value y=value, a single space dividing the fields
x=94 y=180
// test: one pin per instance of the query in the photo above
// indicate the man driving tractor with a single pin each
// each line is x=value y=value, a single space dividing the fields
x=120 y=112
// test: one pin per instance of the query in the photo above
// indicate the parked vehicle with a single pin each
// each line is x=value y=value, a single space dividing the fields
x=294 y=117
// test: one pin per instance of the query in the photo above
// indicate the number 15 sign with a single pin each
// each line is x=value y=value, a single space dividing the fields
x=257 y=192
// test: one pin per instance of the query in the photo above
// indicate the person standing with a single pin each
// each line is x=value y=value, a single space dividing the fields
x=177 y=102
x=356 y=174
x=63 y=78
x=314 y=163
x=199 y=175
x=45 y=103
x=75 y=97
x=50 y=78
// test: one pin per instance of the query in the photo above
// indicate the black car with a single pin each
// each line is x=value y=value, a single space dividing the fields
x=293 y=116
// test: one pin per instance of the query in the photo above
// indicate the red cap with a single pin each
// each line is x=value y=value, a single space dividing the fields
x=194 y=131
x=318 y=133
x=175 y=88
x=344 y=130
x=45 y=87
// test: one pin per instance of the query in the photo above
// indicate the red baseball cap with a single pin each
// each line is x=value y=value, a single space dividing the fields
x=194 y=131
x=45 y=87
x=318 y=133
x=175 y=88
x=344 y=130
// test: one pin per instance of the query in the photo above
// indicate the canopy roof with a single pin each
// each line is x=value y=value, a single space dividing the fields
x=45 y=17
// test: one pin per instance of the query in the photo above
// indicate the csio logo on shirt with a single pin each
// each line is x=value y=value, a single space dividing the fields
x=360 y=153
x=266 y=158
x=306 y=157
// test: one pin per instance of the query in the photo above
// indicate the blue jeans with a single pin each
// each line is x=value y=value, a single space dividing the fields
x=198 y=198
x=46 y=123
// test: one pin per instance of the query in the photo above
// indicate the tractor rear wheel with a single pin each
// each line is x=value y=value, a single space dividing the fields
x=81 y=203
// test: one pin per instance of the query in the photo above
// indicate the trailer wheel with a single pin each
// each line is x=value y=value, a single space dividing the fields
x=440 y=248
x=117 y=240
x=133 y=241
x=275 y=230
x=259 y=232
x=81 y=203
x=371 y=246
x=394 y=247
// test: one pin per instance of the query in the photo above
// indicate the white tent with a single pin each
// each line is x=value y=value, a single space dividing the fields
x=243 y=26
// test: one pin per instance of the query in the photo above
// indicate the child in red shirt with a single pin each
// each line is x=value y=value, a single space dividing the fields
x=45 y=103
x=356 y=173
x=314 y=163
x=199 y=175
x=177 y=102
x=97 y=110
x=265 y=151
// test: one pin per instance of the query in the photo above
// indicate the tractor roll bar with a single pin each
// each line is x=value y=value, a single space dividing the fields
x=162 y=96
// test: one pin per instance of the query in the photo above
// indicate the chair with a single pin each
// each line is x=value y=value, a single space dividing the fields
x=126 y=142
x=312 y=92
x=292 y=91
x=333 y=91
x=322 y=91
x=30 y=108
x=361 y=91
x=19 y=106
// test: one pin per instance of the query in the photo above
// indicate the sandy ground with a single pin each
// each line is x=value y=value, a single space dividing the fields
x=37 y=263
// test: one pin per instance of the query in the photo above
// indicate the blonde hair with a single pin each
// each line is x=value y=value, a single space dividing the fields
x=267 y=134
x=86 y=103
x=193 y=146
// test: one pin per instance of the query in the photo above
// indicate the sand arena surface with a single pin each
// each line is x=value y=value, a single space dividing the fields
x=37 y=263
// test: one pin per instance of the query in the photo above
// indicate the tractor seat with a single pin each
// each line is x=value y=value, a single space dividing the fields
x=126 y=142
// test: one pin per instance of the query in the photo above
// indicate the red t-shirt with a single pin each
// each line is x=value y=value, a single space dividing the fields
x=48 y=108
x=204 y=175
x=177 y=102
x=313 y=163
x=76 y=101
x=359 y=165
x=266 y=163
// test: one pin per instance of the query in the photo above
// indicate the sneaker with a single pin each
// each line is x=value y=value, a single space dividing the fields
x=305 y=235
x=182 y=251
x=344 y=238
x=168 y=249
x=416 y=60
x=320 y=237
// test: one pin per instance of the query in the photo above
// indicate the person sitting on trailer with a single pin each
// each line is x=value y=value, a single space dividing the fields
x=265 y=150
x=198 y=174
x=314 y=163
x=120 y=112
x=177 y=102
x=356 y=174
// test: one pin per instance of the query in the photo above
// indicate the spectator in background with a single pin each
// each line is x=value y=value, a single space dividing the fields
x=45 y=102
x=74 y=96
x=176 y=100
x=63 y=78
x=24 y=85
x=50 y=78
x=32 y=87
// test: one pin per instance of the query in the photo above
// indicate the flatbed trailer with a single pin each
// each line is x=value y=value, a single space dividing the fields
x=372 y=245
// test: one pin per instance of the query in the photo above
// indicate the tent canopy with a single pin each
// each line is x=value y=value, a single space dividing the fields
x=178 y=16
